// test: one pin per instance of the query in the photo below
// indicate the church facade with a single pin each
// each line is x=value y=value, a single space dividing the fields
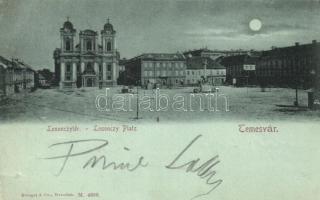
x=89 y=63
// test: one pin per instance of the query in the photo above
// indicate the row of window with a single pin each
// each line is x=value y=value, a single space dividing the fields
x=287 y=69
x=89 y=67
x=18 y=76
x=281 y=63
x=277 y=72
x=69 y=77
x=291 y=61
x=163 y=73
x=89 y=45
x=152 y=65
x=268 y=72
x=209 y=72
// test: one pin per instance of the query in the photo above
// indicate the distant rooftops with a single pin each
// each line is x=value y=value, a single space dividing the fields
x=203 y=51
x=297 y=48
x=160 y=56
x=14 y=63
x=238 y=59
x=199 y=62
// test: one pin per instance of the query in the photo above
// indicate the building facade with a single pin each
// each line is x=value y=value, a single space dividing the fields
x=241 y=69
x=204 y=69
x=89 y=63
x=291 y=66
x=15 y=76
x=156 y=70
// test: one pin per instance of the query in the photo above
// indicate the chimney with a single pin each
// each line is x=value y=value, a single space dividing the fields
x=314 y=41
x=297 y=43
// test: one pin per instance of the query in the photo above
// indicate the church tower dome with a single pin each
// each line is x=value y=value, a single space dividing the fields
x=108 y=27
x=108 y=35
x=67 y=35
x=68 y=26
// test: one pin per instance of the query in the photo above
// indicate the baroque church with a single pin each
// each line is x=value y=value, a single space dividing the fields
x=88 y=63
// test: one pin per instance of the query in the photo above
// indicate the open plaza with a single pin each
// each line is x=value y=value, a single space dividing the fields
x=54 y=105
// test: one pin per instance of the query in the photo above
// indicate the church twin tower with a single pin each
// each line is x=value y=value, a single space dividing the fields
x=88 y=63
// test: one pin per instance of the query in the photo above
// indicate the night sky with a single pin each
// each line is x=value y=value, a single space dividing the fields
x=30 y=28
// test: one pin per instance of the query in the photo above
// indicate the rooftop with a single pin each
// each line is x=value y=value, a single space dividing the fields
x=310 y=48
x=198 y=52
x=161 y=56
x=14 y=63
x=239 y=59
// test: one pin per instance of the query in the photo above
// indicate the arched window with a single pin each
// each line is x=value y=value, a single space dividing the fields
x=89 y=45
x=68 y=45
x=109 y=46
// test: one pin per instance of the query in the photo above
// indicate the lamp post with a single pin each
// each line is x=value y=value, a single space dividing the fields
x=296 y=103
x=311 y=93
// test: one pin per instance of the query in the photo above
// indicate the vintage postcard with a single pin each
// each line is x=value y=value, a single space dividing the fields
x=159 y=99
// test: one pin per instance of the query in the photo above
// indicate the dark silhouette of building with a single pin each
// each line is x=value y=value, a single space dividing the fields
x=289 y=66
x=241 y=69
x=293 y=66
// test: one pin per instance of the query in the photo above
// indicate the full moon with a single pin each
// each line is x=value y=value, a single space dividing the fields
x=255 y=25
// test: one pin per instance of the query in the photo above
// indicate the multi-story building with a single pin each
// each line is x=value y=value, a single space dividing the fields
x=241 y=69
x=289 y=66
x=156 y=69
x=25 y=79
x=293 y=66
x=88 y=63
x=15 y=76
x=204 y=69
